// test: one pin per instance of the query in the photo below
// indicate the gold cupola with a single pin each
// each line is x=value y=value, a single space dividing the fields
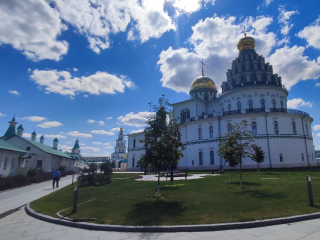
x=246 y=42
x=203 y=82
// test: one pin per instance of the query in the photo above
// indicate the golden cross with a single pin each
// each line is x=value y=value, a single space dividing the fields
x=202 y=66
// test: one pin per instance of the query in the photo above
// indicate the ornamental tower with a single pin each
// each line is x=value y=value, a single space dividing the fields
x=11 y=131
x=76 y=149
x=120 y=150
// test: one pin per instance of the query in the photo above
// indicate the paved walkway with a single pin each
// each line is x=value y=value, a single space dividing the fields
x=18 y=225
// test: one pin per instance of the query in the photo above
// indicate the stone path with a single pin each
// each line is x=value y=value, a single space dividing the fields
x=19 y=226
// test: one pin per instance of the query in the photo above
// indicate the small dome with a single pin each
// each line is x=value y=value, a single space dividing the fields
x=246 y=43
x=203 y=82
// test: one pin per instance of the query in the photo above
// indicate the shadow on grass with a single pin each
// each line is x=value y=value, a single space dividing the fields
x=262 y=194
x=154 y=213
x=246 y=183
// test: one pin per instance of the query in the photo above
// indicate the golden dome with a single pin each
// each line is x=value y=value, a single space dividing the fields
x=203 y=82
x=246 y=43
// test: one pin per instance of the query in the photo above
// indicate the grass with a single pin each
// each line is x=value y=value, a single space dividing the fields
x=213 y=199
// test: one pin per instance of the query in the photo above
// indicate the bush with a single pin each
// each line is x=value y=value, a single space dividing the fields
x=20 y=180
x=62 y=168
x=35 y=179
x=32 y=172
x=70 y=172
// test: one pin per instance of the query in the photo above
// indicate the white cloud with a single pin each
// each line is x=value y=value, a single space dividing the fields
x=296 y=103
x=190 y=6
x=91 y=121
x=316 y=127
x=137 y=131
x=317 y=85
x=65 y=148
x=26 y=135
x=78 y=134
x=284 y=18
x=50 y=124
x=117 y=129
x=75 y=69
x=293 y=66
x=100 y=123
x=312 y=34
x=102 y=132
x=120 y=117
x=85 y=95
x=100 y=143
x=318 y=135
x=108 y=147
x=135 y=119
x=14 y=92
x=109 y=118
x=82 y=144
x=179 y=67
x=55 y=136
x=2 y=115
x=64 y=83
x=91 y=149
x=32 y=27
x=35 y=118
x=267 y=2
x=29 y=69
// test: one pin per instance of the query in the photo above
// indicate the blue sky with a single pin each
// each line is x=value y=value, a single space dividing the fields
x=83 y=68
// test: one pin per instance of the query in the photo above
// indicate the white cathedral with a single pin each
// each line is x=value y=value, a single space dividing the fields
x=252 y=92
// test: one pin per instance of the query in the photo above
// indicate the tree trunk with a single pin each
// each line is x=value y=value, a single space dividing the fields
x=171 y=177
x=158 y=190
x=230 y=174
x=240 y=175
x=258 y=167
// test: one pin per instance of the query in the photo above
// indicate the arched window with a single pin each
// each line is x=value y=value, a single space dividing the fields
x=133 y=162
x=199 y=133
x=275 y=128
x=294 y=128
x=307 y=130
x=254 y=128
x=211 y=132
x=211 y=157
x=229 y=128
x=192 y=162
x=263 y=103
x=229 y=107
x=134 y=143
x=281 y=157
x=274 y=103
x=200 y=158
x=239 y=105
x=281 y=104
x=302 y=156
x=185 y=114
x=250 y=104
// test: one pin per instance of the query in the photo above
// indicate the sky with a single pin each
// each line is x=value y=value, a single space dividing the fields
x=83 y=68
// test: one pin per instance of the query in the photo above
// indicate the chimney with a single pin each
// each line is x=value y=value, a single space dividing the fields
x=33 y=136
x=41 y=139
x=20 y=130
x=55 y=143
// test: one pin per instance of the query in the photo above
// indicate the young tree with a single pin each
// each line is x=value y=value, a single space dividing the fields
x=236 y=144
x=258 y=155
x=162 y=140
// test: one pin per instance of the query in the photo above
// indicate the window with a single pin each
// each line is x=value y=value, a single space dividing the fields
x=275 y=128
x=307 y=130
x=39 y=163
x=211 y=131
x=185 y=113
x=200 y=158
x=274 y=103
x=12 y=163
x=5 y=163
x=250 y=104
x=28 y=148
x=192 y=162
x=199 y=133
x=294 y=128
x=134 y=143
x=302 y=156
x=222 y=109
x=239 y=105
x=229 y=107
x=254 y=128
x=118 y=144
x=281 y=157
x=281 y=104
x=211 y=157
x=203 y=113
x=121 y=144
x=133 y=162
x=263 y=103
x=229 y=128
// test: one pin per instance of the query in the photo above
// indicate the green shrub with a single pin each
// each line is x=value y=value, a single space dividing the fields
x=32 y=172
x=62 y=168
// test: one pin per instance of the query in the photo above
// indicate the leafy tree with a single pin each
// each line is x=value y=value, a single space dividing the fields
x=106 y=169
x=236 y=144
x=162 y=140
x=258 y=155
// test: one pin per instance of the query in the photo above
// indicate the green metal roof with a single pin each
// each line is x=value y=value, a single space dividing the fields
x=11 y=131
x=8 y=146
x=55 y=140
x=42 y=137
x=34 y=133
x=124 y=161
x=20 y=127
x=46 y=148
x=76 y=145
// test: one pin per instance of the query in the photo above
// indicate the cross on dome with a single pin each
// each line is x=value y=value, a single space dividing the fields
x=202 y=63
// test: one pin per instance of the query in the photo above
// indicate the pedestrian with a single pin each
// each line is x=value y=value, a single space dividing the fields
x=56 y=177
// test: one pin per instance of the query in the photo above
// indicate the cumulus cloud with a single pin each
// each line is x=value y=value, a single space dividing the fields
x=91 y=121
x=102 y=132
x=296 y=103
x=34 y=118
x=135 y=119
x=108 y=147
x=64 y=83
x=32 y=27
x=190 y=6
x=65 y=148
x=54 y=136
x=311 y=34
x=137 y=131
x=78 y=134
x=109 y=118
x=26 y=135
x=100 y=143
x=75 y=69
x=284 y=20
x=85 y=95
x=91 y=149
x=316 y=127
x=117 y=129
x=50 y=124
x=100 y=123
x=214 y=40
x=293 y=66
x=2 y=115
x=317 y=85
x=14 y=92
x=318 y=135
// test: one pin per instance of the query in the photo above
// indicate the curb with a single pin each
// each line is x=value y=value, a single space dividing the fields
x=177 y=228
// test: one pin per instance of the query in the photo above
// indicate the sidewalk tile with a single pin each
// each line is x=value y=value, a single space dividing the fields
x=49 y=235
x=288 y=233
x=313 y=236
x=38 y=230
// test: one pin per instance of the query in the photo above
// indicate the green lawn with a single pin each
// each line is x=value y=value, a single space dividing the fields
x=213 y=199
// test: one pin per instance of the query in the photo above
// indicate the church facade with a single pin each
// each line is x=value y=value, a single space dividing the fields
x=251 y=92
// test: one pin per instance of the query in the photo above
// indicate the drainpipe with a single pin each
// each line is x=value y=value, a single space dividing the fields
x=265 y=116
x=305 y=141
x=220 y=141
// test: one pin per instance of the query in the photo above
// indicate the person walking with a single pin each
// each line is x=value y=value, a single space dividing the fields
x=56 y=177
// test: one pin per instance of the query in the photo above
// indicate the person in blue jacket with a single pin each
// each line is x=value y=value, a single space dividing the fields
x=56 y=177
